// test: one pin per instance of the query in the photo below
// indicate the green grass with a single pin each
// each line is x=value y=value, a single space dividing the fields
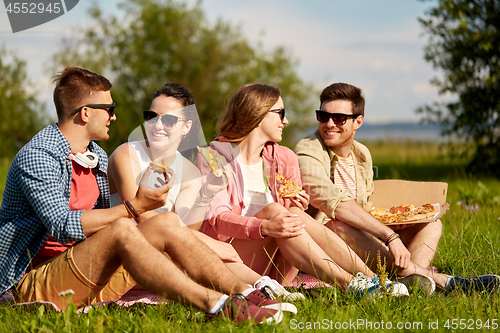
x=469 y=246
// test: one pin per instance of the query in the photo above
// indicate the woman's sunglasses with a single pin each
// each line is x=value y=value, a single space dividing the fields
x=168 y=120
x=281 y=112
x=108 y=107
x=338 y=118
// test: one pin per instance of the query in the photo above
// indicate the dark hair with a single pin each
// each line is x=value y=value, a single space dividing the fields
x=184 y=96
x=74 y=86
x=246 y=109
x=344 y=91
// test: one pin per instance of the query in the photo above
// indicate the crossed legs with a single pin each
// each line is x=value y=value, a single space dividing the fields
x=366 y=246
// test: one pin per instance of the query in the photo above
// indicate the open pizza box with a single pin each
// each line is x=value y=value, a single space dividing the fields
x=392 y=192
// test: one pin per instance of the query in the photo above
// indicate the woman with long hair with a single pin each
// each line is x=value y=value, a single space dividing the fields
x=172 y=126
x=273 y=235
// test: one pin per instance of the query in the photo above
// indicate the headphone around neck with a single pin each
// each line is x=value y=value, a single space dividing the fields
x=86 y=160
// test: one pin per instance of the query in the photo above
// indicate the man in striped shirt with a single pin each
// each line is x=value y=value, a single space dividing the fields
x=337 y=173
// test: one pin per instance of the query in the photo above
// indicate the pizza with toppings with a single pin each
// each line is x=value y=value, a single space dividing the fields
x=167 y=172
x=404 y=213
x=403 y=209
x=383 y=215
x=286 y=188
x=214 y=160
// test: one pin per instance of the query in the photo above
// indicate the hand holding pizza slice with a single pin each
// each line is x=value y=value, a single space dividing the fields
x=214 y=159
x=167 y=172
x=286 y=188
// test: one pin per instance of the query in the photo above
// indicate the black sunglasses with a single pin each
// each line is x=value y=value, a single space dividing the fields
x=168 y=120
x=338 y=118
x=108 y=107
x=281 y=112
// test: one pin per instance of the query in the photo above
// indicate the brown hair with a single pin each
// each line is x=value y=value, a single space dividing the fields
x=344 y=91
x=74 y=85
x=246 y=109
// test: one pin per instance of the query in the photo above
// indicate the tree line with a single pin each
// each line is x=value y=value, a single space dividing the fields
x=154 y=42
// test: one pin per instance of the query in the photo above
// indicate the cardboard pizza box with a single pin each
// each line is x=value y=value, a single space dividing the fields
x=393 y=192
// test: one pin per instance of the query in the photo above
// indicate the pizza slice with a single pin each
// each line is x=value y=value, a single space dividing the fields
x=286 y=188
x=384 y=215
x=423 y=212
x=403 y=209
x=214 y=160
x=167 y=172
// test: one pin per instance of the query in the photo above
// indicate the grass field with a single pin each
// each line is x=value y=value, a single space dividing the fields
x=470 y=246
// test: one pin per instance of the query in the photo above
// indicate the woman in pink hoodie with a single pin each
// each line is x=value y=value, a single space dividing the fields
x=273 y=235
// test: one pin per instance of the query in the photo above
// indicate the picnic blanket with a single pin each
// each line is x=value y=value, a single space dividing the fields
x=134 y=296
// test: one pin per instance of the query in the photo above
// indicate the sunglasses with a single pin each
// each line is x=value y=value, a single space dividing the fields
x=108 y=107
x=338 y=118
x=168 y=120
x=281 y=112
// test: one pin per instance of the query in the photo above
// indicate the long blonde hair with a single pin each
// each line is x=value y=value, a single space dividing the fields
x=246 y=109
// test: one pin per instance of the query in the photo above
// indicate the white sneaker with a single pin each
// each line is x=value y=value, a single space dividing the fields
x=275 y=290
x=362 y=286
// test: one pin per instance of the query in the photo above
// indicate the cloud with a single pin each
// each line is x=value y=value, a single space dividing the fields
x=374 y=46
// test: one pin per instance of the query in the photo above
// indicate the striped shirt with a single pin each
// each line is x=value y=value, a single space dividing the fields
x=345 y=175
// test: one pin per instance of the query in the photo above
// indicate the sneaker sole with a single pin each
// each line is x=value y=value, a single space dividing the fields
x=274 y=319
x=282 y=307
x=423 y=282
x=293 y=297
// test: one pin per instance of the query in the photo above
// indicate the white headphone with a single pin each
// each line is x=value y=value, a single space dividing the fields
x=86 y=160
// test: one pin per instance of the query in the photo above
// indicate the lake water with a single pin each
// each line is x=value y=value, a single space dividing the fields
x=399 y=131
x=393 y=131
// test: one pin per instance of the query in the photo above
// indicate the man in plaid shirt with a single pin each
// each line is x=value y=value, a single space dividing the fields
x=57 y=186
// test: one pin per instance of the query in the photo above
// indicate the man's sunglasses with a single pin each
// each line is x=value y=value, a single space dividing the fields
x=168 y=120
x=281 y=112
x=338 y=118
x=108 y=107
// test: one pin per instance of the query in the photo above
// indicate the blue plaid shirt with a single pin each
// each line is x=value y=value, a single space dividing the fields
x=36 y=201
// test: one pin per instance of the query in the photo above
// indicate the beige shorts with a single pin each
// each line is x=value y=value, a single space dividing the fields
x=47 y=281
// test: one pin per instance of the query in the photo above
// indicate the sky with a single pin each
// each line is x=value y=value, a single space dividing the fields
x=375 y=45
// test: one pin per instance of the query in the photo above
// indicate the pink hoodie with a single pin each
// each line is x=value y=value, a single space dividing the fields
x=223 y=220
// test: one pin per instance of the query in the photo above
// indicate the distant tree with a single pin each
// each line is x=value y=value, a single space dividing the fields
x=20 y=113
x=464 y=43
x=153 y=42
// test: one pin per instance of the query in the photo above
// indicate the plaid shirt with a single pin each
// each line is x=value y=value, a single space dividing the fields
x=36 y=201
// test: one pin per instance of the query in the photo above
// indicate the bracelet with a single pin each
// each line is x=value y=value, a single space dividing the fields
x=205 y=201
x=396 y=237
x=131 y=209
x=391 y=235
x=391 y=238
x=201 y=204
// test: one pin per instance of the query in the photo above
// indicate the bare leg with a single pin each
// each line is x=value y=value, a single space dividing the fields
x=100 y=255
x=243 y=272
x=190 y=254
x=422 y=241
x=335 y=246
x=366 y=246
x=282 y=271
x=301 y=252
x=142 y=250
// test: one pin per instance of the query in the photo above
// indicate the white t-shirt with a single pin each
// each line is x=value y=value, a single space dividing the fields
x=257 y=194
x=144 y=160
